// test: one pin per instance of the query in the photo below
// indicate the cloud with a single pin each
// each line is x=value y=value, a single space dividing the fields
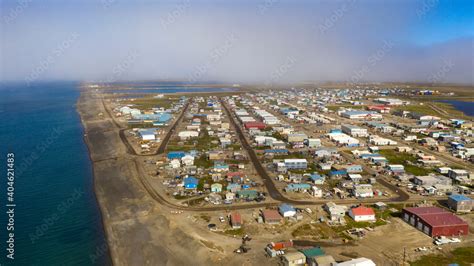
x=326 y=40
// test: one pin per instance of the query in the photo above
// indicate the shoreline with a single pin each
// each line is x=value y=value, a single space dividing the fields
x=137 y=229
x=94 y=185
x=94 y=182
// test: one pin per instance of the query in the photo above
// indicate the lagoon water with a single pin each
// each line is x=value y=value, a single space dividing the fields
x=465 y=107
x=57 y=219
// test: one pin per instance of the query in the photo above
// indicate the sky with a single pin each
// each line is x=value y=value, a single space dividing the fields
x=269 y=41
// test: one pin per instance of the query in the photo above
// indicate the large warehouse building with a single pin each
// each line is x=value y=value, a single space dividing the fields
x=435 y=221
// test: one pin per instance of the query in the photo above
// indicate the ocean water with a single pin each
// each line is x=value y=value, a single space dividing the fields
x=465 y=107
x=57 y=219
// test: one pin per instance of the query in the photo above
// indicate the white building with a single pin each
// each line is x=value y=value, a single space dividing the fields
x=343 y=139
x=354 y=131
x=362 y=214
x=316 y=192
x=184 y=135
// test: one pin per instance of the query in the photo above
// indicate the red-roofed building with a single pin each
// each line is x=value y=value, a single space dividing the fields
x=282 y=245
x=258 y=125
x=271 y=216
x=362 y=214
x=383 y=109
x=235 y=220
x=435 y=221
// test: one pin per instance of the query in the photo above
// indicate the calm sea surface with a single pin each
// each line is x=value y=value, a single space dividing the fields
x=57 y=219
x=465 y=107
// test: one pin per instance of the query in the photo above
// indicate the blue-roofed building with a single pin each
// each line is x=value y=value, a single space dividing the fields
x=338 y=173
x=286 y=210
x=460 y=203
x=175 y=155
x=317 y=179
x=190 y=183
x=220 y=166
x=297 y=187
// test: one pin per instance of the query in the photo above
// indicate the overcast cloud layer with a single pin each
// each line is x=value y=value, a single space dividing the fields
x=244 y=41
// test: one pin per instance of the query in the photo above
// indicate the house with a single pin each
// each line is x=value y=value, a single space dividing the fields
x=343 y=139
x=431 y=180
x=362 y=214
x=296 y=137
x=460 y=203
x=435 y=221
x=220 y=166
x=271 y=216
x=216 y=188
x=190 y=183
x=235 y=220
x=255 y=125
x=317 y=179
x=296 y=164
x=185 y=135
x=357 y=262
x=175 y=163
x=286 y=210
x=336 y=212
x=354 y=131
x=396 y=168
x=187 y=160
x=294 y=258
x=312 y=253
x=175 y=155
x=316 y=192
x=363 y=191
x=323 y=260
x=460 y=175
x=326 y=152
x=313 y=143
x=356 y=114
x=215 y=155
x=233 y=187
x=295 y=187
x=356 y=178
x=247 y=194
